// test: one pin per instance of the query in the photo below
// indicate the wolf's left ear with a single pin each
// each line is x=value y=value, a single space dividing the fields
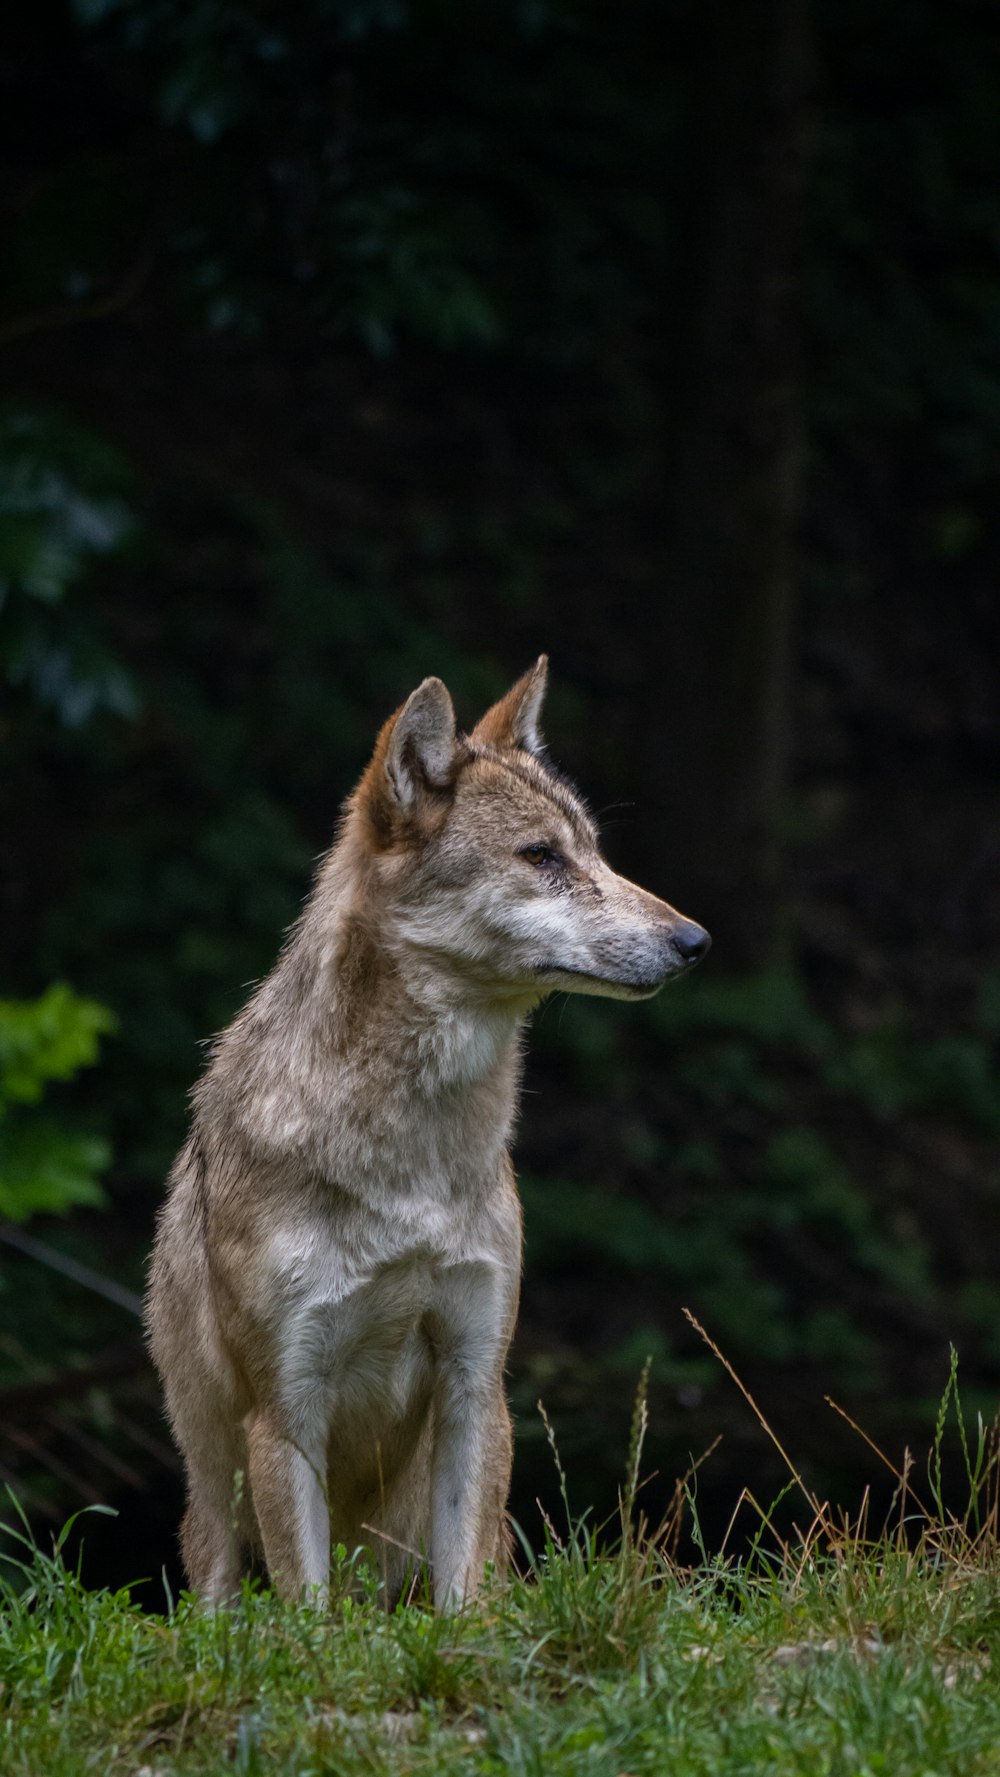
x=420 y=753
x=513 y=722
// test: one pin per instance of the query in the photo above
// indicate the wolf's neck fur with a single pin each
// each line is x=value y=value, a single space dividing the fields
x=363 y=1059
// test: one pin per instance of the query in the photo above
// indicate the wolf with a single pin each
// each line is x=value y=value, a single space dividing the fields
x=335 y=1275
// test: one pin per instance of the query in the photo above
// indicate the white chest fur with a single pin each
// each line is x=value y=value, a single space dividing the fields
x=367 y=1315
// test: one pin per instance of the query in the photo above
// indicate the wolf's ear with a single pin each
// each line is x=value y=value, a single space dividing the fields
x=420 y=750
x=414 y=763
x=513 y=722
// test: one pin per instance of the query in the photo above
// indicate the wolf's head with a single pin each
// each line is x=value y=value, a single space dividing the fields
x=484 y=859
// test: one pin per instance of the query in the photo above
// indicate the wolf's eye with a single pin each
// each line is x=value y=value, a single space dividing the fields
x=540 y=855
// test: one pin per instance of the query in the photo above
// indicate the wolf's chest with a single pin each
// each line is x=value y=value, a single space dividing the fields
x=358 y=1338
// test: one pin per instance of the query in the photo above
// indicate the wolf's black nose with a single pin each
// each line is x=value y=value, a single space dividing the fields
x=691 y=942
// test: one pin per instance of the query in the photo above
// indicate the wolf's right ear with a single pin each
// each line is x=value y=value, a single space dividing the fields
x=414 y=759
x=421 y=750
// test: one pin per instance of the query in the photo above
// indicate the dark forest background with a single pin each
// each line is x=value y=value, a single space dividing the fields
x=345 y=343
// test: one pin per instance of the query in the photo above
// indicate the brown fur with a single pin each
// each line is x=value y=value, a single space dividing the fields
x=335 y=1277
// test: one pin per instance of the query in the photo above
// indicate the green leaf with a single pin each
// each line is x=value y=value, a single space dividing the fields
x=47 y=1039
x=46 y=1171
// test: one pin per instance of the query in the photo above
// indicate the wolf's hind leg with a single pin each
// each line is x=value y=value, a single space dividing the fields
x=218 y=1523
x=211 y=1544
x=289 y=1494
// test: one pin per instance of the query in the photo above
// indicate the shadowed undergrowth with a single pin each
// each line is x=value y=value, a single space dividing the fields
x=831 y=1648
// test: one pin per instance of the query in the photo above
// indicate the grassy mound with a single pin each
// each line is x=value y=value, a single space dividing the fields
x=833 y=1651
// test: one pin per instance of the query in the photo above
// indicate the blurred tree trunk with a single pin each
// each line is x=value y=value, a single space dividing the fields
x=718 y=681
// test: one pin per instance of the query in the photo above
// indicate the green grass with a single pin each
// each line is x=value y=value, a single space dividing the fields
x=836 y=1652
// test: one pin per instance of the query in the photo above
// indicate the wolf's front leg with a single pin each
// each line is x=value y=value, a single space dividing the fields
x=459 y=1479
x=289 y=1498
x=471 y=1460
